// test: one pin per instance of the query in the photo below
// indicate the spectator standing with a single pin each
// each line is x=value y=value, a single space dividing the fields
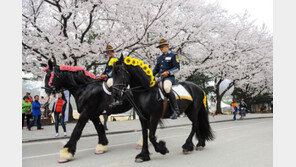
x=59 y=107
x=242 y=108
x=28 y=94
x=26 y=110
x=36 y=114
x=213 y=107
x=235 y=107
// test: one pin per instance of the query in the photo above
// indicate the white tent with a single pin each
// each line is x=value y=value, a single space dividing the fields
x=224 y=105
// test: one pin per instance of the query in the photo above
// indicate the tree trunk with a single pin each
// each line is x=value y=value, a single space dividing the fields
x=218 y=108
x=218 y=98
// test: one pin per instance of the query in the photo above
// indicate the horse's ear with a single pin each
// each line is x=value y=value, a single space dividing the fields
x=121 y=59
x=54 y=61
x=50 y=65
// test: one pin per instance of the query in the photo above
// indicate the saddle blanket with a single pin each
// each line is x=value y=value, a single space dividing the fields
x=179 y=91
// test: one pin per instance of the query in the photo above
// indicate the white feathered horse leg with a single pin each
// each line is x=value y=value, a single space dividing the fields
x=100 y=149
x=65 y=155
x=140 y=143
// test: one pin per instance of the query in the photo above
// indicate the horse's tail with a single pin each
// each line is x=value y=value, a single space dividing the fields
x=203 y=120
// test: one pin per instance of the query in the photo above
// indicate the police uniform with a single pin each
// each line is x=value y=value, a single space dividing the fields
x=108 y=69
x=168 y=62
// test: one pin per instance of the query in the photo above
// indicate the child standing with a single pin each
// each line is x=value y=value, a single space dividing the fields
x=235 y=107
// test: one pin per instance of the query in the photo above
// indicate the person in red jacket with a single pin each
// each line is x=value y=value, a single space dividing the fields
x=58 y=108
x=30 y=97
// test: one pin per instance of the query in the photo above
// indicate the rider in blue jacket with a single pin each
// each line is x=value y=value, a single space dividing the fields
x=167 y=65
x=107 y=74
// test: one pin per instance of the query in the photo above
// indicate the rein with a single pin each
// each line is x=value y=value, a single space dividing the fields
x=130 y=99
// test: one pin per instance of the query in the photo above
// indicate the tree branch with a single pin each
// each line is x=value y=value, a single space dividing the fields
x=89 y=24
x=34 y=49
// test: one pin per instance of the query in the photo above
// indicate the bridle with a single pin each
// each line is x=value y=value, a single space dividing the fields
x=52 y=88
x=127 y=91
x=125 y=86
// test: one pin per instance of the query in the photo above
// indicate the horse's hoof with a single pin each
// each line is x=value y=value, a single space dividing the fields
x=63 y=161
x=100 y=149
x=187 y=147
x=142 y=158
x=164 y=151
x=65 y=155
x=185 y=151
x=199 y=148
x=98 y=153
x=162 y=148
x=138 y=160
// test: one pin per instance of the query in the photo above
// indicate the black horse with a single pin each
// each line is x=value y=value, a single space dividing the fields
x=90 y=98
x=146 y=100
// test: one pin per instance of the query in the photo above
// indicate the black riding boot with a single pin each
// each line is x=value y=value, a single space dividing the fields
x=174 y=105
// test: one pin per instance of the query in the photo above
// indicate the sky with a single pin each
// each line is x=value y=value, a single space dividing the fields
x=260 y=10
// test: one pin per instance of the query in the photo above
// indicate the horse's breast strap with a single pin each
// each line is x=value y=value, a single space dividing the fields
x=106 y=89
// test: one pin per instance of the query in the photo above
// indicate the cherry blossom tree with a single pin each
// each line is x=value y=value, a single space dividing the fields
x=76 y=32
x=206 y=38
x=242 y=49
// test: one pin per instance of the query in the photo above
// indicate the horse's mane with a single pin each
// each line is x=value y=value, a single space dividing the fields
x=79 y=69
x=140 y=72
x=73 y=74
x=139 y=76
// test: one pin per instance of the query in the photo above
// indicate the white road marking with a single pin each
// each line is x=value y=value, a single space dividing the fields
x=87 y=149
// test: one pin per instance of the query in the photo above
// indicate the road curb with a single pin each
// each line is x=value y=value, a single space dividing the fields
x=130 y=131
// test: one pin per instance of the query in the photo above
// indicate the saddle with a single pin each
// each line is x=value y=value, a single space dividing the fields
x=179 y=91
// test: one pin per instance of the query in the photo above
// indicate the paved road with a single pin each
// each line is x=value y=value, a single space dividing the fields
x=245 y=143
x=48 y=133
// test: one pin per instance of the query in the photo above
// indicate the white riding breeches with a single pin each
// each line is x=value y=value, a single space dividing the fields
x=167 y=85
x=110 y=82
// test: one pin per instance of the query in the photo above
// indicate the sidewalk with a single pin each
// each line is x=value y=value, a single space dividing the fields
x=48 y=133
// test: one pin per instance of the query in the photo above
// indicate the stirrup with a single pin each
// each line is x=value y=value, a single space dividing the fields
x=174 y=116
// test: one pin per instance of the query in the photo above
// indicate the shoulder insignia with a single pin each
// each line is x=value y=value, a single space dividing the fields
x=177 y=58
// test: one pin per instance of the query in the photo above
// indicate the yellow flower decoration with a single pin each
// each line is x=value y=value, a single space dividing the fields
x=112 y=61
x=148 y=71
x=135 y=62
x=145 y=67
x=152 y=77
x=152 y=83
x=141 y=63
x=205 y=99
x=128 y=60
